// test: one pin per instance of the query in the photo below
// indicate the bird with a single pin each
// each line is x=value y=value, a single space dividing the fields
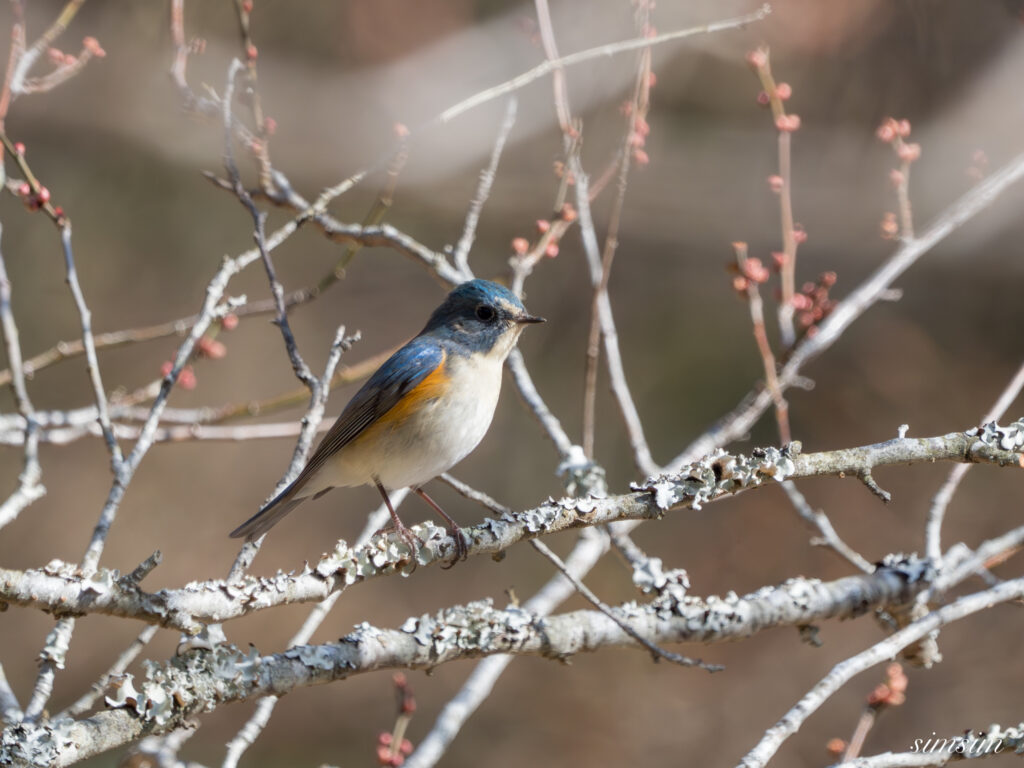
x=423 y=411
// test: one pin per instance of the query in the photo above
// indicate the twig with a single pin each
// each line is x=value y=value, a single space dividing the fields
x=254 y=726
x=636 y=116
x=749 y=279
x=937 y=511
x=481 y=498
x=589 y=54
x=85 y=702
x=10 y=711
x=789 y=243
x=820 y=522
x=656 y=651
x=483 y=191
x=478 y=686
x=641 y=453
x=884 y=650
x=739 y=422
x=29 y=487
x=547 y=39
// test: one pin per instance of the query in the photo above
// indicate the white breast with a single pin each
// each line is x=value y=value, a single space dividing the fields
x=432 y=441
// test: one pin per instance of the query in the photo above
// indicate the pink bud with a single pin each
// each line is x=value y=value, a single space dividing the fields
x=247 y=6
x=775 y=183
x=886 y=131
x=640 y=157
x=641 y=126
x=799 y=235
x=551 y=250
x=269 y=126
x=19 y=148
x=908 y=153
x=757 y=58
x=520 y=245
x=896 y=177
x=92 y=45
x=44 y=195
x=384 y=738
x=401 y=130
x=788 y=123
x=783 y=91
x=55 y=55
x=230 y=322
x=652 y=79
x=543 y=225
x=24 y=189
x=568 y=213
x=903 y=128
x=187 y=378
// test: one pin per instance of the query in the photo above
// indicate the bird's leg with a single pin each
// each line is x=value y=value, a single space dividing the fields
x=407 y=536
x=461 y=547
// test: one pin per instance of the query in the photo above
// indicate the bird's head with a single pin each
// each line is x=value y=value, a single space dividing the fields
x=481 y=316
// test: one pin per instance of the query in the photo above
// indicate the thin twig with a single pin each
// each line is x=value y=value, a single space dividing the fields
x=884 y=650
x=483 y=191
x=820 y=522
x=85 y=702
x=589 y=54
x=616 y=372
x=741 y=419
x=254 y=726
x=764 y=347
x=635 y=117
x=937 y=511
x=656 y=651
x=29 y=487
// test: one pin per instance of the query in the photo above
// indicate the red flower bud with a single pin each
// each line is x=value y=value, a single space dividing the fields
x=92 y=45
x=784 y=91
x=757 y=58
x=520 y=245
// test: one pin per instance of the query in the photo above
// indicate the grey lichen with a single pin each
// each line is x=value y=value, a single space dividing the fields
x=1007 y=438
x=474 y=627
x=716 y=474
x=35 y=744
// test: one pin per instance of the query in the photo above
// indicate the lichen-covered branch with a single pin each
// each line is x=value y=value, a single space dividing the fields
x=65 y=591
x=201 y=680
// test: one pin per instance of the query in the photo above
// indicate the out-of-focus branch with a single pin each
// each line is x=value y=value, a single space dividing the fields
x=29 y=486
x=616 y=372
x=461 y=255
x=600 y=52
x=635 y=118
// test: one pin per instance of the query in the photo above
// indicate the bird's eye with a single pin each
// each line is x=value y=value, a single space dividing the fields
x=485 y=313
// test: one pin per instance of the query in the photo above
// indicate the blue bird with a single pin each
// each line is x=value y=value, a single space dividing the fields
x=420 y=413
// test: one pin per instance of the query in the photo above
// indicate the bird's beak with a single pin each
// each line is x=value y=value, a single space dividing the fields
x=524 y=319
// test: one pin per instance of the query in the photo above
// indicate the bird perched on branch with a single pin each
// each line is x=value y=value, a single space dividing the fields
x=420 y=413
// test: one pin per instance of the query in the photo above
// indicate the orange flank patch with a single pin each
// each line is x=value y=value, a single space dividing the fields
x=433 y=386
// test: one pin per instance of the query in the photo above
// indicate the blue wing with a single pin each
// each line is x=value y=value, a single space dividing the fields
x=408 y=367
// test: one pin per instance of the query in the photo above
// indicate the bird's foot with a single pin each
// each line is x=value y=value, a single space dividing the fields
x=461 y=545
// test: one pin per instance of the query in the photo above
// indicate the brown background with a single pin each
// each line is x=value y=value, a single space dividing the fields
x=119 y=155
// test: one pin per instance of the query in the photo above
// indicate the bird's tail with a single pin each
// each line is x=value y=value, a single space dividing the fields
x=270 y=515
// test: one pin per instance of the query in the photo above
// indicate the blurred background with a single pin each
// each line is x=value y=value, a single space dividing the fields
x=124 y=160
